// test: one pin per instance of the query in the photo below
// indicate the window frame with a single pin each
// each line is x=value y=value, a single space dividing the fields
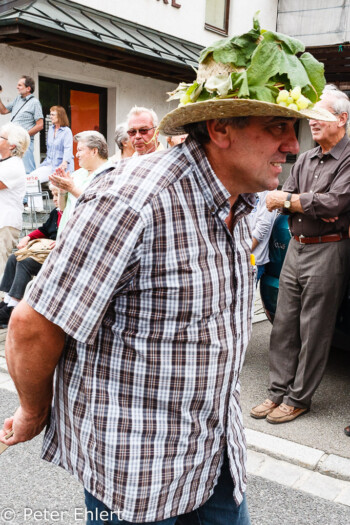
x=219 y=30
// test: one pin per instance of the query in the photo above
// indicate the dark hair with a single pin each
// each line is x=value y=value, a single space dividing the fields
x=199 y=130
x=29 y=82
x=61 y=114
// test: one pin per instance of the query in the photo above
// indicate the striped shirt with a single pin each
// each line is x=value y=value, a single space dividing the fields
x=25 y=114
x=155 y=296
x=59 y=148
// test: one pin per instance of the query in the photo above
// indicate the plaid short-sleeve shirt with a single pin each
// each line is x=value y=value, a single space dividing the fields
x=155 y=296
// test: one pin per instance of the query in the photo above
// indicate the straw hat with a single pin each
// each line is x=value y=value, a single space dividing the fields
x=173 y=122
x=225 y=104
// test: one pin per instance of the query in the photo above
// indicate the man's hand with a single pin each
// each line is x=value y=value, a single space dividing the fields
x=25 y=426
x=330 y=219
x=3 y=109
x=275 y=199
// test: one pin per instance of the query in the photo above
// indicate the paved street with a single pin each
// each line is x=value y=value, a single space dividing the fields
x=322 y=428
x=272 y=504
x=285 y=462
x=31 y=485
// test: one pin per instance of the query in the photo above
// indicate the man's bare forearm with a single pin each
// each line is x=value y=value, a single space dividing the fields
x=275 y=200
x=35 y=129
x=33 y=348
x=255 y=243
x=3 y=109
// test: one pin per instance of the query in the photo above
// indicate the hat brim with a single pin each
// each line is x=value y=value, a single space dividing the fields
x=173 y=122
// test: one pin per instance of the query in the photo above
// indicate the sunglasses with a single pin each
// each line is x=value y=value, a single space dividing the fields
x=142 y=131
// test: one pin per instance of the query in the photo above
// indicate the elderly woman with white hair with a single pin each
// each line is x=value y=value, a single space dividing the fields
x=92 y=154
x=14 y=142
x=122 y=140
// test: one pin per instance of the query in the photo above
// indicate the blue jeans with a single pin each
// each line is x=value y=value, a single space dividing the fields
x=261 y=271
x=28 y=158
x=29 y=163
x=219 y=509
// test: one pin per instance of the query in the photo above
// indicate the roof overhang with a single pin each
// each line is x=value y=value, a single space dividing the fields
x=66 y=29
x=336 y=60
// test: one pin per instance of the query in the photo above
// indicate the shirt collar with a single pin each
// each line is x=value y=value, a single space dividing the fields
x=214 y=192
x=27 y=97
x=106 y=165
x=336 y=151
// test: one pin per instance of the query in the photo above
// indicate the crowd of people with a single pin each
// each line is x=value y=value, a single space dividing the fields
x=143 y=306
x=137 y=136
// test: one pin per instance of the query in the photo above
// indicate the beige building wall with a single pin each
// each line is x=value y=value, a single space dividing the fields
x=188 y=21
x=124 y=89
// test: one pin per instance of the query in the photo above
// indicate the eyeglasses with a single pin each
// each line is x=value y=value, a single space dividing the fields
x=3 y=138
x=142 y=131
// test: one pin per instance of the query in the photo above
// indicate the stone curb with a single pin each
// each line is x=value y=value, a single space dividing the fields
x=298 y=466
x=298 y=478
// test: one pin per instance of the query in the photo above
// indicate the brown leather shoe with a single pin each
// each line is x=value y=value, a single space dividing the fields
x=261 y=411
x=284 y=413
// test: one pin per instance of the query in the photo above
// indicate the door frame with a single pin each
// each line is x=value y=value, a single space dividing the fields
x=64 y=88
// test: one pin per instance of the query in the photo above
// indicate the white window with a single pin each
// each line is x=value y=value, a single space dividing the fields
x=217 y=15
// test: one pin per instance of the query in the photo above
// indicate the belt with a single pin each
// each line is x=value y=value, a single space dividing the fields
x=332 y=237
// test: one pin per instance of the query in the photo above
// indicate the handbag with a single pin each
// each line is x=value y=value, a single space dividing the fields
x=37 y=249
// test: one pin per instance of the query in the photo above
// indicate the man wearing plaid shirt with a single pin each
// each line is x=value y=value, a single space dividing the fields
x=145 y=307
x=144 y=311
x=26 y=112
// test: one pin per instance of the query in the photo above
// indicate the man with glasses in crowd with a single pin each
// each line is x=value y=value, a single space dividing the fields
x=141 y=127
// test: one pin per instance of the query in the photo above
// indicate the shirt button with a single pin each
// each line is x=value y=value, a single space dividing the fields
x=316 y=176
x=212 y=209
x=321 y=162
x=299 y=220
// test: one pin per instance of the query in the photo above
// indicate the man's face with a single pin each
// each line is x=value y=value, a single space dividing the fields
x=22 y=89
x=142 y=142
x=258 y=152
x=325 y=132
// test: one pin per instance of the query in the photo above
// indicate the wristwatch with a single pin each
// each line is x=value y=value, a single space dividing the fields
x=287 y=203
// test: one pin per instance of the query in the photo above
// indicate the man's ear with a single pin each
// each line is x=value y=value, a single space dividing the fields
x=342 y=118
x=220 y=133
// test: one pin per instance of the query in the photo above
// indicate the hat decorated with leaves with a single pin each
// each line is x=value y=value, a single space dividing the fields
x=260 y=73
